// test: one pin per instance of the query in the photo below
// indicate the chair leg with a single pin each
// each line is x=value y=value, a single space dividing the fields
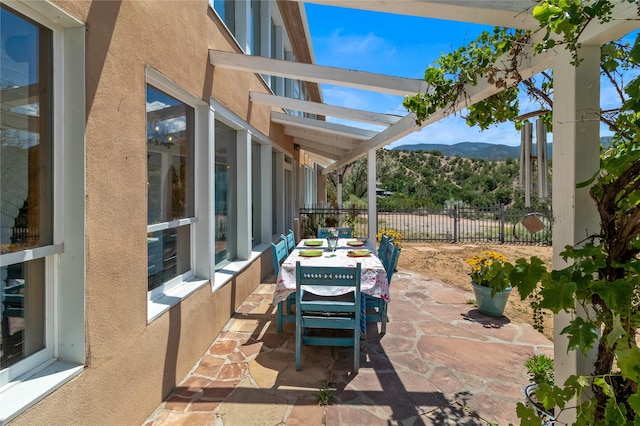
x=356 y=351
x=290 y=302
x=383 y=314
x=299 y=333
x=279 y=318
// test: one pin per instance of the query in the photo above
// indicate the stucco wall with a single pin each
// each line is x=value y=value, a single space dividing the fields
x=132 y=365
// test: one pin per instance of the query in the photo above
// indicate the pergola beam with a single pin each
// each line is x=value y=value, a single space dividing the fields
x=317 y=73
x=324 y=109
x=321 y=126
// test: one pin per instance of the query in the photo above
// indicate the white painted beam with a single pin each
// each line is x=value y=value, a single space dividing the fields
x=342 y=144
x=324 y=109
x=321 y=126
x=502 y=13
x=326 y=154
x=317 y=73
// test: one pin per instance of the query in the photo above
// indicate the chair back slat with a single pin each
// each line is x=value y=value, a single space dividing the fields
x=290 y=240
x=343 y=232
x=390 y=259
x=279 y=253
x=341 y=312
x=384 y=241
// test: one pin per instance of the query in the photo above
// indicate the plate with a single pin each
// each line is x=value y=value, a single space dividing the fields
x=310 y=253
x=356 y=243
x=359 y=253
x=313 y=243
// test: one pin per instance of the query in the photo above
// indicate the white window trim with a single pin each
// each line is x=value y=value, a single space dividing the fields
x=161 y=299
x=282 y=40
x=57 y=364
x=219 y=112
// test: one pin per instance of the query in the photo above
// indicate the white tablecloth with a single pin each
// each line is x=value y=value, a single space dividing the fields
x=373 y=281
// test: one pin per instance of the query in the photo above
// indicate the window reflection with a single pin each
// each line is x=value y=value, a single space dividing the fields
x=26 y=160
x=170 y=185
x=26 y=182
x=225 y=194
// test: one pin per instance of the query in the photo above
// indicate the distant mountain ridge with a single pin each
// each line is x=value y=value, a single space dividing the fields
x=481 y=150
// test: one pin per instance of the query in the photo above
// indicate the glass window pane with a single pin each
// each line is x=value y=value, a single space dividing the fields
x=255 y=28
x=256 y=193
x=169 y=158
x=170 y=185
x=225 y=194
x=22 y=302
x=26 y=160
x=169 y=254
x=226 y=11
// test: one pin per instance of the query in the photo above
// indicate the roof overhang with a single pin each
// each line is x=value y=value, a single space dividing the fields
x=345 y=144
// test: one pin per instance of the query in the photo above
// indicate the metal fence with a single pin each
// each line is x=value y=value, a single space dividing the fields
x=490 y=224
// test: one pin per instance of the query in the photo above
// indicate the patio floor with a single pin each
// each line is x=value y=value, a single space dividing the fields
x=441 y=362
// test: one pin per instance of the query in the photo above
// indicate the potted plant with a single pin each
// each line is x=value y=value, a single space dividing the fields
x=490 y=281
x=540 y=369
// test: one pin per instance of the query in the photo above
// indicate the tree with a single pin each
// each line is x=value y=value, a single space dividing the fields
x=604 y=275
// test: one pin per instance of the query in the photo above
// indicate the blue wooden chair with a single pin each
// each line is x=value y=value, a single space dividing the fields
x=384 y=241
x=375 y=307
x=291 y=245
x=323 y=232
x=290 y=240
x=328 y=312
x=344 y=232
x=279 y=253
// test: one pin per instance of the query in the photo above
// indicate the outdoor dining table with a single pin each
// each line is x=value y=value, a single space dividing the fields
x=372 y=282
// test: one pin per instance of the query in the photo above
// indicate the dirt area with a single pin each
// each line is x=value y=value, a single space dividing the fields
x=446 y=262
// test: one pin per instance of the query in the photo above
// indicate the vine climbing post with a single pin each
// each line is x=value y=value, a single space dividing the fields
x=576 y=146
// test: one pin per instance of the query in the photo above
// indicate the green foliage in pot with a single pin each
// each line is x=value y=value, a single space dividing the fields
x=490 y=269
x=540 y=369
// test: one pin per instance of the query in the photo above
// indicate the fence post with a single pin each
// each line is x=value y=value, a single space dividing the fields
x=501 y=223
x=455 y=223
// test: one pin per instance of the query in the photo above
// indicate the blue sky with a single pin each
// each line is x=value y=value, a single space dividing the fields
x=396 y=45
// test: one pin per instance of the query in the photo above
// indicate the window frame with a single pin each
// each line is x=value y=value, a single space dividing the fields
x=171 y=292
x=56 y=364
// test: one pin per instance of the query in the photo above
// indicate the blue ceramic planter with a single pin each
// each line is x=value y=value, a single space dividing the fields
x=492 y=306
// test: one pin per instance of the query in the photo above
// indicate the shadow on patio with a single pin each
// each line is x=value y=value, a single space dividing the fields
x=440 y=363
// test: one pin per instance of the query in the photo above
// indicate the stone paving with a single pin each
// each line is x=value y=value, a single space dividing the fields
x=441 y=362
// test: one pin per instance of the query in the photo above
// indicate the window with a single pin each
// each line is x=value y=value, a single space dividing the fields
x=26 y=192
x=170 y=185
x=254 y=28
x=225 y=194
x=256 y=192
x=41 y=203
x=226 y=11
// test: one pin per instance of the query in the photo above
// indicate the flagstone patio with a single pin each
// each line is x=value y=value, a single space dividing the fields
x=441 y=362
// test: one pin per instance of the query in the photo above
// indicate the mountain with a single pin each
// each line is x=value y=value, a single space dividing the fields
x=481 y=150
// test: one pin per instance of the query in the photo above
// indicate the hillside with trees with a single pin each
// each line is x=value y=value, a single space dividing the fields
x=429 y=179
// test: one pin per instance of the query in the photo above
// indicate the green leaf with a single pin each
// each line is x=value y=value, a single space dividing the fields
x=634 y=402
x=527 y=416
x=629 y=363
x=634 y=54
x=617 y=331
x=582 y=335
x=557 y=292
x=550 y=396
x=525 y=276
x=617 y=295
x=602 y=384
x=614 y=413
